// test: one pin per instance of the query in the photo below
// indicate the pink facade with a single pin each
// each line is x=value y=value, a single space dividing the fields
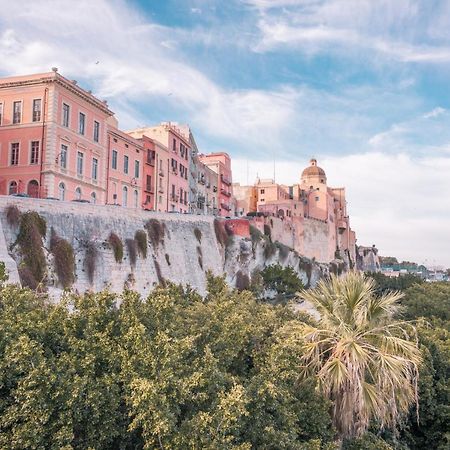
x=52 y=138
x=175 y=166
x=125 y=169
x=221 y=164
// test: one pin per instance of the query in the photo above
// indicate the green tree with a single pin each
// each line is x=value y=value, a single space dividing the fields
x=360 y=353
x=284 y=281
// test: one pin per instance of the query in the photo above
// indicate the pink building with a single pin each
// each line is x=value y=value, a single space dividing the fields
x=174 y=165
x=125 y=169
x=53 y=139
x=221 y=164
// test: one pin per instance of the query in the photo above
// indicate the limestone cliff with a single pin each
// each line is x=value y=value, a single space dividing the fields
x=180 y=248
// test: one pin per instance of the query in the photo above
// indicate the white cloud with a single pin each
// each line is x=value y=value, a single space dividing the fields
x=395 y=201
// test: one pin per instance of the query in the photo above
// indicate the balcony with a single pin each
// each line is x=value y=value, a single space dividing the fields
x=150 y=161
x=226 y=193
x=149 y=189
x=161 y=190
x=342 y=225
x=225 y=180
x=174 y=197
x=225 y=206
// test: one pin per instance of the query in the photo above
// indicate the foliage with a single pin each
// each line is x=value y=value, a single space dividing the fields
x=283 y=250
x=132 y=251
x=32 y=230
x=141 y=241
x=283 y=280
x=173 y=370
x=255 y=235
x=364 y=358
x=367 y=442
x=156 y=231
x=3 y=273
x=306 y=266
x=167 y=259
x=269 y=248
x=64 y=259
x=117 y=245
x=223 y=233
x=401 y=283
x=159 y=275
x=90 y=259
x=268 y=231
x=12 y=215
x=198 y=235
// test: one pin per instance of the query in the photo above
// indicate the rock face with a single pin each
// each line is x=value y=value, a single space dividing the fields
x=180 y=248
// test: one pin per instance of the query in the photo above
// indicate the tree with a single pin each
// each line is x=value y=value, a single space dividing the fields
x=386 y=284
x=364 y=359
x=284 y=281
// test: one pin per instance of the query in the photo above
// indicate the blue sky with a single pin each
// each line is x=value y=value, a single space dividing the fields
x=360 y=84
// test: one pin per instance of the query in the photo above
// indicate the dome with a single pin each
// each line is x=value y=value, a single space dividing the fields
x=313 y=170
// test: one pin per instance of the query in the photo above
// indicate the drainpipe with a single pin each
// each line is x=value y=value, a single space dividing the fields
x=42 y=141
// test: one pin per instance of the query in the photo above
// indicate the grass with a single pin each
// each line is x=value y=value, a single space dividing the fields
x=141 y=241
x=117 y=246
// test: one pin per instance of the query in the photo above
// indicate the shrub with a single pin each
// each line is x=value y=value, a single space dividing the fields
x=141 y=241
x=283 y=280
x=64 y=259
x=200 y=257
x=167 y=259
x=155 y=231
x=161 y=279
x=12 y=215
x=242 y=281
x=132 y=251
x=224 y=234
x=198 y=235
x=255 y=234
x=267 y=231
x=90 y=260
x=116 y=243
x=27 y=278
x=284 y=250
x=31 y=231
x=306 y=266
x=269 y=249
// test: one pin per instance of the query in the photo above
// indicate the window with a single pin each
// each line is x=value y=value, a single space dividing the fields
x=14 y=154
x=96 y=131
x=62 y=191
x=33 y=189
x=66 y=114
x=17 y=112
x=63 y=157
x=125 y=196
x=93 y=198
x=78 y=193
x=81 y=123
x=261 y=191
x=1 y=113
x=174 y=148
x=12 y=188
x=80 y=157
x=317 y=199
x=94 y=168
x=37 y=110
x=136 y=198
x=149 y=183
x=125 y=164
x=114 y=159
x=136 y=169
x=34 y=156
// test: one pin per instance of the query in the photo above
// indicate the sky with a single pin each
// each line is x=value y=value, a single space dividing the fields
x=361 y=85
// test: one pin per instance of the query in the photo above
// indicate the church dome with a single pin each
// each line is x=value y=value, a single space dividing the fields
x=313 y=170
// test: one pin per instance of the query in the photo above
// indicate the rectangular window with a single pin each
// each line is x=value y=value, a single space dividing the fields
x=174 y=142
x=63 y=157
x=149 y=183
x=17 y=112
x=114 y=159
x=1 y=113
x=66 y=115
x=94 y=168
x=96 y=130
x=81 y=123
x=15 y=154
x=37 y=110
x=80 y=157
x=34 y=157
x=136 y=169
x=125 y=164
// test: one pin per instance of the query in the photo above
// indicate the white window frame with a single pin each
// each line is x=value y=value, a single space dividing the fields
x=95 y=169
x=11 y=153
x=40 y=110
x=38 y=152
x=21 y=112
x=63 y=122
x=81 y=130
x=137 y=168
x=126 y=164
x=80 y=157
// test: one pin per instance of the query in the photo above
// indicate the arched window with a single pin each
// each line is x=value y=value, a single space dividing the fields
x=125 y=196
x=93 y=198
x=136 y=198
x=12 y=188
x=62 y=191
x=78 y=193
x=33 y=189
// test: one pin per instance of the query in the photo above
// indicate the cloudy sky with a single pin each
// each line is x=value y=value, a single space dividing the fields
x=360 y=84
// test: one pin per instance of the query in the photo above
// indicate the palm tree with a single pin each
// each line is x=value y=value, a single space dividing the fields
x=365 y=360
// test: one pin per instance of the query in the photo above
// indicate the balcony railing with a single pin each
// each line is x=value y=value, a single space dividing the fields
x=226 y=193
x=149 y=188
x=150 y=161
x=174 y=197
x=161 y=190
x=225 y=180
